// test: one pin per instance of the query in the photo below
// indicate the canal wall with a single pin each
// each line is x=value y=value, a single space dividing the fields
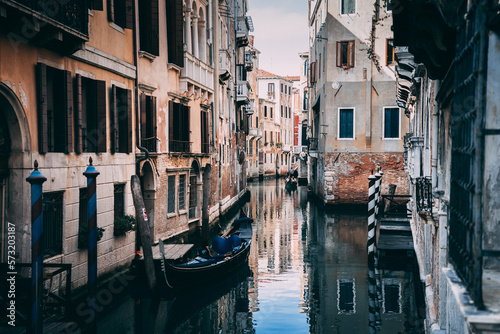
x=343 y=176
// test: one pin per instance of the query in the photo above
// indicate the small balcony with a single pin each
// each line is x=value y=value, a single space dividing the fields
x=255 y=132
x=249 y=61
x=224 y=64
x=178 y=146
x=423 y=193
x=286 y=148
x=60 y=25
x=243 y=92
x=243 y=26
x=196 y=75
x=150 y=144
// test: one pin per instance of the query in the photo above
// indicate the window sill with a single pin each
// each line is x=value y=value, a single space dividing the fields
x=117 y=27
x=183 y=212
x=172 y=66
x=171 y=215
x=149 y=56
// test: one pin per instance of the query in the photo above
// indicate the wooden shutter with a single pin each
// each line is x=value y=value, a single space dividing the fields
x=175 y=31
x=43 y=138
x=68 y=109
x=186 y=125
x=170 y=124
x=129 y=14
x=143 y=117
x=129 y=120
x=155 y=29
x=113 y=118
x=78 y=115
x=350 y=54
x=96 y=4
x=111 y=10
x=339 y=54
x=101 y=114
x=153 y=116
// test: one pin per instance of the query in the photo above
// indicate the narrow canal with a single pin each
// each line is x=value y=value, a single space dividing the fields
x=308 y=273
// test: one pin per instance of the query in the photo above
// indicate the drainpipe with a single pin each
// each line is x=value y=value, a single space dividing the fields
x=434 y=139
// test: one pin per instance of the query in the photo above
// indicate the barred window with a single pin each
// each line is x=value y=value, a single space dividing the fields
x=171 y=194
x=182 y=192
x=119 y=200
x=52 y=222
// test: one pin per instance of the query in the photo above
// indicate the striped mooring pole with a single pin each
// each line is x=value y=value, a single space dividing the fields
x=371 y=216
x=91 y=173
x=373 y=317
x=378 y=181
x=36 y=179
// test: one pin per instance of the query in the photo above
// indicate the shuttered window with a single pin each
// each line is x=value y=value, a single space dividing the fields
x=178 y=127
x=95 y=4
x=182 y=192
x=345 y=54
x=121 y=12
x=55 y=110
x=90 y=115
x=148 y=26
x=148 y=122
x=346 y=123
x=121 y=120
x=205 y=142
x=175 y=32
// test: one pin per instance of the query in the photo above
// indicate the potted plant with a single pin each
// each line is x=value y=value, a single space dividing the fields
x=123 y=225
x=83 y=235
x=265 y=144
x=272 y=144
x=279 y=144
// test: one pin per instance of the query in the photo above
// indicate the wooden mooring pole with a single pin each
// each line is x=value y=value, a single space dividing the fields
x=91 y=174
x=205 y=214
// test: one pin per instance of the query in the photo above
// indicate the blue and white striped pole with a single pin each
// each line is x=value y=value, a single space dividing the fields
x=377 y=195
x=371 y=216
x=36 y=179
x=91 y=173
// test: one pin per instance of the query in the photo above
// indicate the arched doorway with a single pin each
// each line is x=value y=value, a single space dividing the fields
x=14 y=190
x=149 y=194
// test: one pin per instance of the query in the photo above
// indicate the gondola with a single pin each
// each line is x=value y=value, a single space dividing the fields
x=228 y=253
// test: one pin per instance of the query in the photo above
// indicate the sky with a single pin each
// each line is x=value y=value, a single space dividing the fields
x=281 y=33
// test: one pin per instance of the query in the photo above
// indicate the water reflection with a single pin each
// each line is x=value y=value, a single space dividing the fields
x=307 y=273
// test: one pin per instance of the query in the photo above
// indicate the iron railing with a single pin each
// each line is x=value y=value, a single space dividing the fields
x=423 y=194
x=395 y=206
x=150 y=144
x=179 y=146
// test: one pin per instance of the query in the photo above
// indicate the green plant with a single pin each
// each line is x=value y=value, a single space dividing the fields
x=272 y=143
x=123 y=225
x=279 y=144
x=83 y=235
x=265 y=144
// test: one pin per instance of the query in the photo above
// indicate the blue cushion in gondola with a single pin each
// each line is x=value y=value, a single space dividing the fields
x=221 y=245
x=235 y=240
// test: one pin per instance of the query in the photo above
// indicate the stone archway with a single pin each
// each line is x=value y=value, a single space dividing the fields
x=15 y=144
x=149 y=193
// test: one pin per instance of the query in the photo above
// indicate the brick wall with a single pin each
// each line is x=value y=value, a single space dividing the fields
x=346 y=175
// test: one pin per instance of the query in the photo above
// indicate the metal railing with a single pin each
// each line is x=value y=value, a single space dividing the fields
x=423 y=193
x=150 y=144
x=395 y=206
x=179 y=146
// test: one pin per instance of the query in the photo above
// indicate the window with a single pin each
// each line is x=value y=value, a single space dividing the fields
x=121 y=12
x=345 y=54
x=90 y=115
x=119 y=200
x=281 y=87
x=270 y=90
x=148 y=26
x=306 y=67
x=346 y=123
x=193 y=196
x=305 y=101
x=281 y=111
x=205 y=141
x=391 y=123
x=348 y=6
x=179 y=127
x=175 y=32
x=171 y=194
x=182 y=192
x=265 y=111
x=271 y=111
x=389 y=50
x=121 y=120
x=304 y=134
x=52 y=222
x=55 y=107
x=312 y=74
x=148 y=122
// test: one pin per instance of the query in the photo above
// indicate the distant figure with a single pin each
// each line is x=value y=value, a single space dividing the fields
x=295 y=173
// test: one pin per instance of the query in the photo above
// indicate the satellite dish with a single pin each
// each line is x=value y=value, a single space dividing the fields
x=335 y=85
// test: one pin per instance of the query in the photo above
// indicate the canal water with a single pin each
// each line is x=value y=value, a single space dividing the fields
x=307 y=273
